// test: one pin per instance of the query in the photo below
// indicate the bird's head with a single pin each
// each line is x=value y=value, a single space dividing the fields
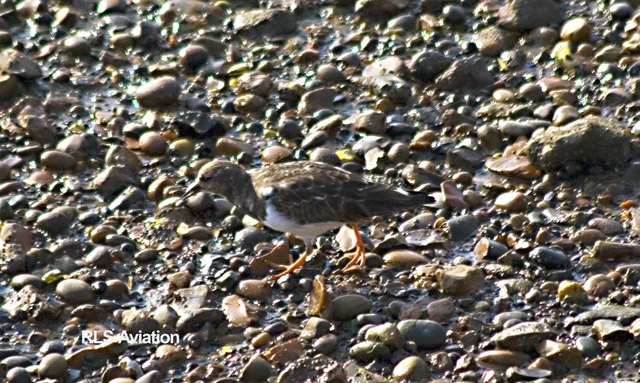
x=219 y=177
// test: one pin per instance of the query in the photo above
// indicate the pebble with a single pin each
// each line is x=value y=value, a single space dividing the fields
x=317 y=99
x=522 y=15
x=150 y=377
x=326 y=344
x=264 y=22
x=74 y=291
x=387 y=334
x=349 y=306
x=56 y=160
x=56 y=221
x=492 y=40
x=261 y=339
x=233 y=147
x=549 y=257
x=257 y=369
x=19 y=64
x=599 y=285
x=153 y=143
x=426 y=334
x=588 y=237
x=404 y=258
x=21 y=280
x=330 y=74
x=465 y=73
x=441 y=310
x=76 y=46
x=523 y=337
x=315 y=327
x=100 y=256
x=428 y=64
x=588 y=346
x=163 y=91
x=254 y=289
x=576 y=30
x=170 y=355
x=275 y=154
x=621 y=10
x=489 y=249
x=607 y=330
x=614 y=250
x=180 y=280
x=462 y=227
x=512 y=202
x=411 y=369
x=249 y=103
x=571 y=291
x=18 y=375
x=193 y=56
x=502 y=358
x=501 y=319
x=460 y=280
x=52 y=366
x=166 y=315
x=561 y=353
x=606 y=226
x=248 y=238
x=367 y=351
x=370 y=121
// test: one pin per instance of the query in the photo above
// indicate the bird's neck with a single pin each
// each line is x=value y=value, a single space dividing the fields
x=247 y=200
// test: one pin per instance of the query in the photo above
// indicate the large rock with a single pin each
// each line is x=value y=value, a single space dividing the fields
x=320 y=368
x=523 y=15
x=524 y=336
x=265 y=22
x=588 y=141
x=465 y=74
x=19 y=64
x=195 y=9
x=377 y=9
x=460 y=280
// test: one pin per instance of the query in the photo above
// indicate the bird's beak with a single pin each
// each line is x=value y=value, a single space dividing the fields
x=195 y=185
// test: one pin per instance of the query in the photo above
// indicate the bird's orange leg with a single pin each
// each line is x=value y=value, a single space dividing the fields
x=358 y=260
x=288 y=269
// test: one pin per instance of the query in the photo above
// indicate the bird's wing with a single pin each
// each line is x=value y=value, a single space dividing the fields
x=319 y=192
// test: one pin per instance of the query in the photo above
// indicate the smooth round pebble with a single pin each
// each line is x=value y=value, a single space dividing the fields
x=348 y=306
x=411 y=369
x=74 y=291
x=52 y=366
x=426 y=334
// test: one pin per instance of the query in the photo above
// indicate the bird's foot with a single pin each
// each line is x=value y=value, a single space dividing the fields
x=287 y=269
x=357 y=261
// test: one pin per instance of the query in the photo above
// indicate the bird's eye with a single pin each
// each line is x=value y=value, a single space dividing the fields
x=205 y=178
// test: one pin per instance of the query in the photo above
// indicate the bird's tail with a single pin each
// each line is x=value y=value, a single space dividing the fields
x=421 y=198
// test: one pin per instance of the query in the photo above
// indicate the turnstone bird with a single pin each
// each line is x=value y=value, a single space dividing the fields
x=305 y=199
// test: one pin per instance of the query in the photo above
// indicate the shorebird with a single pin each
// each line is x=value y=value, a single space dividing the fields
x=305 y=199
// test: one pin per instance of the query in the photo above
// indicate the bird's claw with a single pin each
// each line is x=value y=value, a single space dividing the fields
x=357 y=261
x=286 y=269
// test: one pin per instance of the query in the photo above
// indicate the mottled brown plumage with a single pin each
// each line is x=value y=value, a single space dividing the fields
x=306 y=198
x=316 y=192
